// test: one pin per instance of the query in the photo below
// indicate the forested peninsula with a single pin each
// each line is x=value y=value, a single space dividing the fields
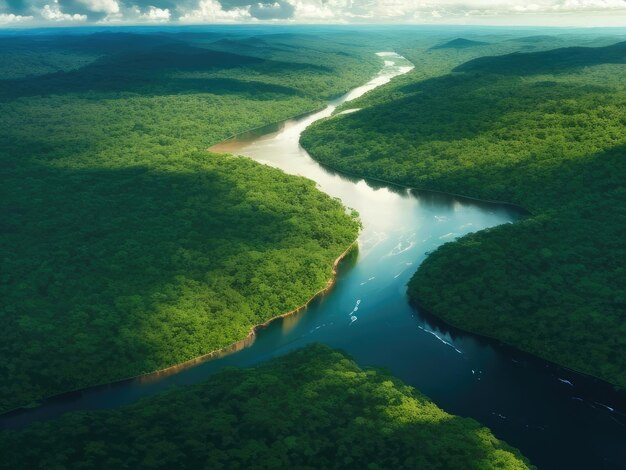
x=545 y=130
x=313 y=408
x=125 y=246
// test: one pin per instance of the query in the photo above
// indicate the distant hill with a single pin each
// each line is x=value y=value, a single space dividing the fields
x=111 y=42
x=459 y=43
x=533 y=39
x=144 y=70
x=553 y=61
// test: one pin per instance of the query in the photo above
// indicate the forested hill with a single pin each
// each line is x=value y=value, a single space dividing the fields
x=459 y=43
x=139 y=71
x=561 y=60
x=125 y=246
x=313 y=408
x=553 y=142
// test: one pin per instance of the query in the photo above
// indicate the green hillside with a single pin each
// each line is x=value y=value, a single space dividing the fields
x=125 y=246
x=543 y=130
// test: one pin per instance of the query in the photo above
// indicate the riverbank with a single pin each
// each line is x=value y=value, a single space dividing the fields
x=553 y=279
x=458 y=325
x=416 y=302
x=573 y=374
x=126 y=249
x=270 y=408
x=249 y=339
x=237 y=345
x=513 y=206
x=442 y=318
x=214 y=354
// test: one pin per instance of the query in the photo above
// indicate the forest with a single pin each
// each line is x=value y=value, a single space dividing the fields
x=542 y=127
x=126 y=247
x=313 y=408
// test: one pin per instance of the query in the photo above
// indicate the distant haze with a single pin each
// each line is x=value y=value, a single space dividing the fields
x=25 y=13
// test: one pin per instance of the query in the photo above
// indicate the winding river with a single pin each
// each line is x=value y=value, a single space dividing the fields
x=558 y=418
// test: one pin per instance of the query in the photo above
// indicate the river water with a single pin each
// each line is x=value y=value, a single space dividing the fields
x=559 y=419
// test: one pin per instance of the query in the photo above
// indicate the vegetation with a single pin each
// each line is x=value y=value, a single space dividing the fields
x=313 y=408
x=459 y=43
x=543 y=130
x=125 y=246
x=554 y=61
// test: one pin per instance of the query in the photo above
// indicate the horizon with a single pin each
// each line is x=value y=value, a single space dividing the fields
x=93 y=28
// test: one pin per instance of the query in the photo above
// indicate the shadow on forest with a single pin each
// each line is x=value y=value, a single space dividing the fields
x=562 y=60
x=459 y=43
x=153 y=72
x=96 y=43
x=271 y=42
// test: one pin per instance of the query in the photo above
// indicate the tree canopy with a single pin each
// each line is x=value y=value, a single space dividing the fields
x=313 y=408
x=125 y=246
x=544 y=130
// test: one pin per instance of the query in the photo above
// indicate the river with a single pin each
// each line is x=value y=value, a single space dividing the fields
x=558 y=418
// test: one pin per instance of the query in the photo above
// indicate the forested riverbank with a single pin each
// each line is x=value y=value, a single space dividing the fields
x=544 y=130
x=309 y=409
x=126 y=247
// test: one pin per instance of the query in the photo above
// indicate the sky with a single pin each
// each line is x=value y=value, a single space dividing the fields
x=25 y=13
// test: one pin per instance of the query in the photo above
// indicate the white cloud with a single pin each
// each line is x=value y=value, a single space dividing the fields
x=53 y=13
x=518 y=12
x=315 y=9
x=10 y=18
x=102 y=6
x=449 y=11
x=596 y=5
x=156 y=15
x=211 y=11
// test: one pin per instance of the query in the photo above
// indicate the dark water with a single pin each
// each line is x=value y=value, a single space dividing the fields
x=557 y=418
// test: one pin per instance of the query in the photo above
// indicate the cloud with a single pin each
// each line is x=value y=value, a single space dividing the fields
x=101 y=6
x=53 y=13
x=557 y=12
x=406 y=9
x=444 y=11
x=314 y=10
x=156 y=15
x=10 y=18
x=596 y=5
x=272 y=11
x=211 y=11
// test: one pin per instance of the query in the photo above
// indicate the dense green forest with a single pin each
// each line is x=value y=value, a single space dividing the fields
x=125 y=246
x=545 y=130
x=313 y=408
